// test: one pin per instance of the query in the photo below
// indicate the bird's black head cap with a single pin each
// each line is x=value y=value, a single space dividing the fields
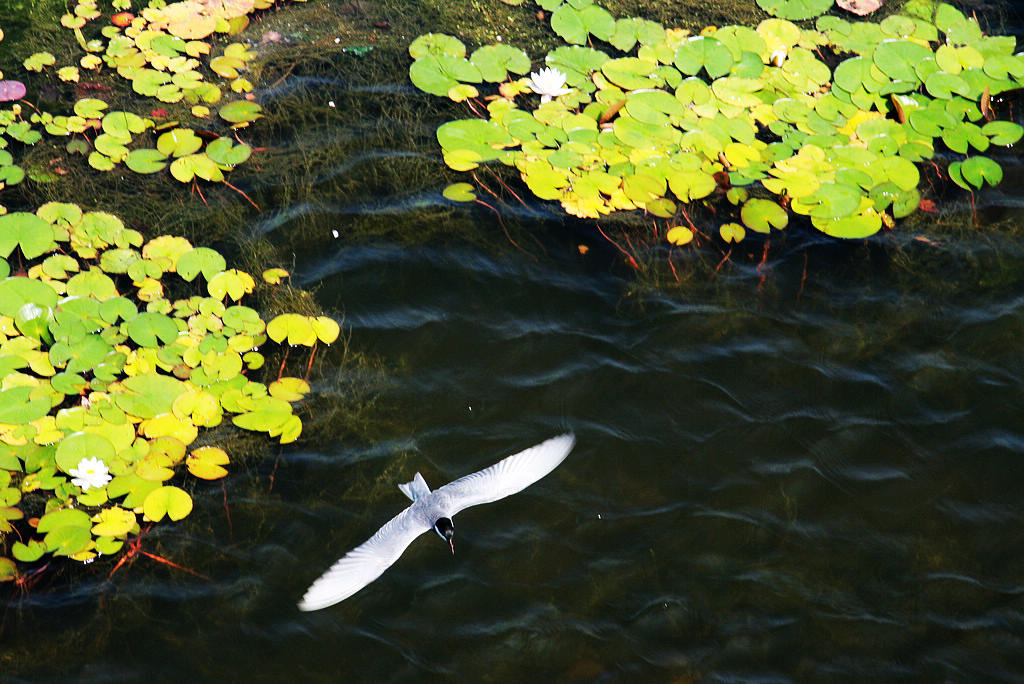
x=446 y=530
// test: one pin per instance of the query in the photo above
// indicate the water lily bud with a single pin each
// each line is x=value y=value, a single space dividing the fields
x=778 y=57
x=122 y=19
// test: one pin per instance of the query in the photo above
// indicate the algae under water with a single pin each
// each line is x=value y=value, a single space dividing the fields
x=799 y=468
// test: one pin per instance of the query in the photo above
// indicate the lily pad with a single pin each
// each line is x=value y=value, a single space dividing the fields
x=146 y=160
x=975 y=171
x=240 y=112
x=207 y=463
x=576 y=25
x=436 y=44
x=437 y=74
x=186 y=168
x=16 y=291
x=1003 y=132
x=795 y=10
x=149 y=394
x=113 y=522
x=459 y=192
x=31 y=234
x=496 y=61
x=762 y=215
x=231 y=283
x=178 y=142
x=226 y=153
x=168 y=500
x=293 y=327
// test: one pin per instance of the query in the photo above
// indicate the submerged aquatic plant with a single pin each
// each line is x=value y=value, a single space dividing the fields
x=829 y=123
x=106 y=382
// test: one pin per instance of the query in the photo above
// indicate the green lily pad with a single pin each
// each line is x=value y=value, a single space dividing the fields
x=889 y=195
x=496 y=61
x=703 y=52
x=483 y=138
x=149 y=394
x=230 y=283
x=795 y=10
x=118 y=260
x=73 y=448
x=762 y=215
x=240 y=112
x=436 y=44
x=1003 y=132
x=28 y=552
x=178 y=142
x=975 y=171
x=271 y=415
x=293 y=327
x=628 y=32
x=691 y=184
x=92 y=283
x=65 y=517
x=185 y=169
x=117 y=308
x=437 y=74
x=167 y=500
x=123 y=125
x=16 y=291
x=459 y=192
x=898 y=58
x=900 y=171
x=967 y=133
x=80 y=355
x=203 y=260
x=149 y=329
x=577 y=63
x=738 y=92
x=653 y=106
x=243 y=320
x=27 y=231
x=226 y=153
x=852 y=227
x=958 y=28
x=832 y=200
x=576 y=25
x=731 y=232
x=630 y=73
x=943 y=85
x=18 y=406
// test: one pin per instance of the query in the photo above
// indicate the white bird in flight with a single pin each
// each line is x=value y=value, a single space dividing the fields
x=433 y=509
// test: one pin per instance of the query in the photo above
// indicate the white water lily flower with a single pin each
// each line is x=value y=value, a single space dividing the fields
x=548 y=83
x=91 y=472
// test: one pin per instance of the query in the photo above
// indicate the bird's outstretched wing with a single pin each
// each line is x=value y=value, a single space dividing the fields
x=366 y=562
x=509 y=475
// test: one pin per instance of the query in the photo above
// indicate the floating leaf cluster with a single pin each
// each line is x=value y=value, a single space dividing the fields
x=161 y=49
x=162 y=52
x=106 y=383
x=830 y=123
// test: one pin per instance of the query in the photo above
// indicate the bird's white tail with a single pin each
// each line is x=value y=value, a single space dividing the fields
x=415 y=488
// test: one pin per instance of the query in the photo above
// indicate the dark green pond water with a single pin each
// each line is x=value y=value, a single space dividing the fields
x=805 y=471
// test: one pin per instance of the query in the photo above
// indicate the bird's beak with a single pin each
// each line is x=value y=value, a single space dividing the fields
x=452 y=545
